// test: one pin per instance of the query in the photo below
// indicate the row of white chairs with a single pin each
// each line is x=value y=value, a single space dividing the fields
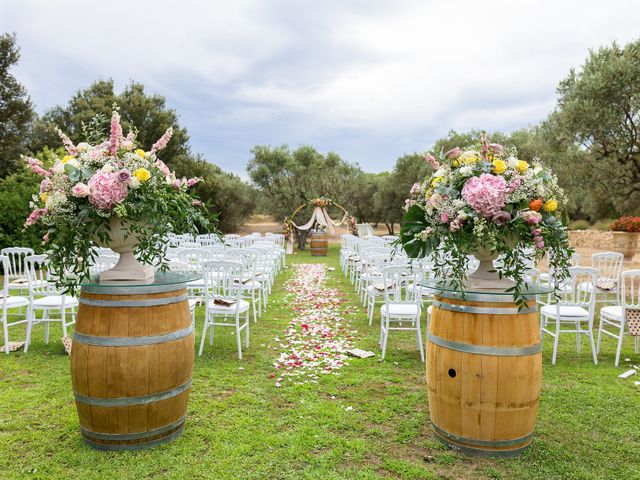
x=366 y=260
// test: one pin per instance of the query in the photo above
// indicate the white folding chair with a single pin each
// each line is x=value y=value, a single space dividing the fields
x=400 y=307
x=9 y=303
x=16 y=270
x=616 y=316
x=45 y=297
x=575 y=309
x=223 y=302
x=609 y=268
x=250 y=288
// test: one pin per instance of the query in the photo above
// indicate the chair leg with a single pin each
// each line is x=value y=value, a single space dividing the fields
x=253 y=305
x=385 y=337
x=246 y=338
x=419 y=339
x=599 y=337
x=619 y=349
x=238 y=336
x=555 y=343
x=30 y=316
x=593 y=348
x=63 y=315
x=204 y=334
x=578 y=327
x=46 y=326
x=6 y=333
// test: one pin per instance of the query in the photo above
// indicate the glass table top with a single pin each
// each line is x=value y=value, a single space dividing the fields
x=441 y=285
x=160 y=279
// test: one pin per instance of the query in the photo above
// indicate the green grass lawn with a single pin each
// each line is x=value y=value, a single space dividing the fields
x=241 y=426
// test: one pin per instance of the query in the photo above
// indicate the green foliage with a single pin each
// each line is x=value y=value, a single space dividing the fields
x=599 y=109
x=226 y=196
x=289 y=179
x=579 y=225
x=16 y=111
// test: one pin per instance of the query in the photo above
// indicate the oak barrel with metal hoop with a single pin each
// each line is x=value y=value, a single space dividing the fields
x=319 y=244
x=132 y=365
x=484 y=371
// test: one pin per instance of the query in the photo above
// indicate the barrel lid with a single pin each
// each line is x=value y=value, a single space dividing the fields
x=160 y=279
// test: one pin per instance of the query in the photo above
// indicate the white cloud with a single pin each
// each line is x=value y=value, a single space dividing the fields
x=367 y=76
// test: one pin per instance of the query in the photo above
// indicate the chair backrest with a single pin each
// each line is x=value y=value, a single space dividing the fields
x=4 y=262
x=103 y=262
x=193 y=257
x=16 y=256
x=221 y=279
x=396 y=286
x=577 y=289
x=630 y=292
x=364 y=229
x=575 y=259
x=38 y=276
x=608 y=265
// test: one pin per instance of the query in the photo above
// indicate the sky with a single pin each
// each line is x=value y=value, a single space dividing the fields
x=370 y=80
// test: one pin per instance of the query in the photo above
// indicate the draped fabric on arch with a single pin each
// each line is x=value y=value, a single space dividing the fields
x=321 y=216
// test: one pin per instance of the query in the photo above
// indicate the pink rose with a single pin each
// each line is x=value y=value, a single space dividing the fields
x=444 y=217
x=495 y=148
x=453 y=153
x=531 y=217
x=123 y=176
x=45 y=185
x=193 y=181
x=415 y=189
x=163 y=168
x=106 y=191
x=80 y=190
x=501 y=218
x=431 y=160
x=176 y=184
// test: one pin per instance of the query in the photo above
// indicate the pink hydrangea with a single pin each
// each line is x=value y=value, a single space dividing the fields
x=486 y=194
x=106 y=191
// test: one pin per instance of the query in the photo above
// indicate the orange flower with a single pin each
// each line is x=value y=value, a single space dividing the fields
x=536 y=205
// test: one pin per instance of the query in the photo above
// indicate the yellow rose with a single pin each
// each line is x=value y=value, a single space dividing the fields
x=142 y=174
x=522 y=166
x=67 y=158
x=550 y=206
x=499 y=166
x=43 y=197
x=141 y=153
x=436 y=181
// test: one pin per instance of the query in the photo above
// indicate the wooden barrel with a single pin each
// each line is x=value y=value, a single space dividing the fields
x=132 y=365
x=484 y=370
x=319 y=244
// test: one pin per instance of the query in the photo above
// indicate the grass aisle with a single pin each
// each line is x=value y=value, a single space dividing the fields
x=241 y=426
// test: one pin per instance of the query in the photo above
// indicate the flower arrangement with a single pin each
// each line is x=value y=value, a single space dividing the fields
x=352 y=225
x=321 y=202
x=483 y=198
x=626 y=224
x=287 y=229
x=93 y=185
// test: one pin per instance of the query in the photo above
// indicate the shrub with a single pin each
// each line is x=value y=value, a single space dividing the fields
x=626 y=224
x=603 y=225
x=578 y=225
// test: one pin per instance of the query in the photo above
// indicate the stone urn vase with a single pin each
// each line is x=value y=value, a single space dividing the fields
x=124 y=243
x=485 y=277
x=626 y=242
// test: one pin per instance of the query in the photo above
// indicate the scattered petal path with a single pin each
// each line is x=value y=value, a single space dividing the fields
x=314 y=342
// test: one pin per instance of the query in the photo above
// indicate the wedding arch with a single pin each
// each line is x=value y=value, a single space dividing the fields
x=320 y=216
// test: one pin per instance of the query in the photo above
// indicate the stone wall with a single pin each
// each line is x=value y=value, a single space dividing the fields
x=591 y=239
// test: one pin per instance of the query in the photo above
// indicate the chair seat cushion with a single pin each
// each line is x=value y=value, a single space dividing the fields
x=215 y=308
x=612 y=312
x=193 y=303
x=15 y=301
x=565 y=311
x=399 y=309
x=55 y=301
x=250 y=285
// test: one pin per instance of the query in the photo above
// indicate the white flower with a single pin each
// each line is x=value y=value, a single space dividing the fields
x=540 y=189
x=58 y=167
x=74 y=163
x=537 y=169
x=107 y=168
x=55 y=201
x=458 y=203
x=82 y=147
x=466 y=170
x=134 y=182
x=462 y=214
x=512 y=162
x=441 y=172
